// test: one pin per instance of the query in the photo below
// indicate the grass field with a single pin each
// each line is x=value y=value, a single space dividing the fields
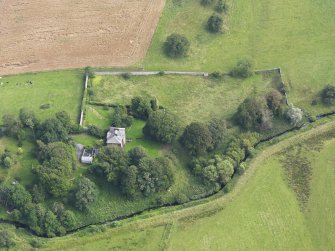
x=191 y=98
x=98 y=116
x=295 y=35
x=61 y=89
x=262 y=212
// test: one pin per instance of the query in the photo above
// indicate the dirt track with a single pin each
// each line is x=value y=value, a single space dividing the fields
x=56 y=34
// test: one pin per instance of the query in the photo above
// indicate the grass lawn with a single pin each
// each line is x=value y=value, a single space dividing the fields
x=61 y=89
x=135 y=134
x=84 y=139
x=296 y=35
x=98 y=116
x=191 y=98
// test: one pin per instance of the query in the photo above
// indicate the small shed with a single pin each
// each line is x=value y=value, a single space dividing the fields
x=87 y=156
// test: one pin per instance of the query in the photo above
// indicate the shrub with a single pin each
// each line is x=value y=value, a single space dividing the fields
x=221 y=6
x=5 y=240
x=243 y=69
x=19 y=151
x=214 y=24
x=120 y=117
x=45 y=106
x=140 y=108
x=8 y=162
x=154 y=104
x=216 y=75
x=206 y=2
x=136 y=154
x=328 y=94
x=176 y=46
x=95 y=131
x=90 y=72
x=217 y=128
x=126 y=75
x=12 y=126
x=181 y=198
x=36 y=244
x=275 y=100
x=241 y=168
x=295 y=115
x=253 y=114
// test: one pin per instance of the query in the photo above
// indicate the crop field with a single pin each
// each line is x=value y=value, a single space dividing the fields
x=191 y=98
x=58 y=91
x=75 y=34
x=262 y=210
x=296 y=35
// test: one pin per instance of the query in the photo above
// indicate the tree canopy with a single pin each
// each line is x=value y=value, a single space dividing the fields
x=197 y=138
x=140 y=108
x=56 y=169
x=162 y=126
x=176 y=46
x=253 y=114
x=214 y=23
x=243 y=69
x=85 y=193
x=328 y=94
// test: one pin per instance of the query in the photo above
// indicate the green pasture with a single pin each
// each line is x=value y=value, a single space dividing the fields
x=296 y=35
x=62 y=90
x=192 y=98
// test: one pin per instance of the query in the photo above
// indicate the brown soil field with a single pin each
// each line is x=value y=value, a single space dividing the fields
x=43 y=35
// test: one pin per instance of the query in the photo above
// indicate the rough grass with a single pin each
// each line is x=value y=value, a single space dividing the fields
x=296 y=35
x=98 y=116
x=62 y=90
x=191 y=98
x=299 y=171
x=21 y=170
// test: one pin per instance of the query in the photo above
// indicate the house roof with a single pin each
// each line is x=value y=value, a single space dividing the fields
x=88 y=153
x=116 y=136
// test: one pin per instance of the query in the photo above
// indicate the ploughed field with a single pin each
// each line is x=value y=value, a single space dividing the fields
x=56 y=34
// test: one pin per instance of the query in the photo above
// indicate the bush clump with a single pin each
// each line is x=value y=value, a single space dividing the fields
x=221 y=6
x=176 y=46
x=243 y=69
x=206 y=2
x=328 y=95
x=162 y=126
x=5 y=240
x=295 y=115
x=214 y=24
x=253 y=114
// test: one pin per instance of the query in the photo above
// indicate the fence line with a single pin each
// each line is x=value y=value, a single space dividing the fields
x=150 y=73
x=83 y=102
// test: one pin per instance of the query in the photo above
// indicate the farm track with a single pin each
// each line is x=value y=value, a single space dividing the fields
x=75 y=34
